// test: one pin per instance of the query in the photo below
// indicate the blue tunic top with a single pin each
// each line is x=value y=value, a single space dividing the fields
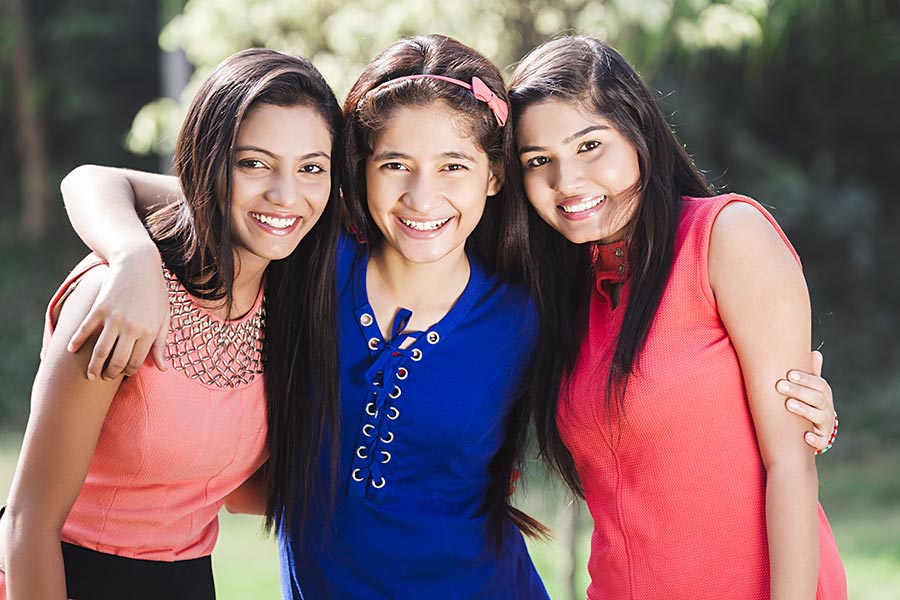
x=419 y=427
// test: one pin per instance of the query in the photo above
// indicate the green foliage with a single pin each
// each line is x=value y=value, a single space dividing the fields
x=339 y=37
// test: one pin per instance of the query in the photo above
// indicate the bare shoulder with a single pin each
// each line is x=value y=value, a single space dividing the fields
x=744 y=239
x=78 y=299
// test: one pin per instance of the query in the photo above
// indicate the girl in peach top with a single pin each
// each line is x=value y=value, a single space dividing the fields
x=130 y=473
x=669 y=316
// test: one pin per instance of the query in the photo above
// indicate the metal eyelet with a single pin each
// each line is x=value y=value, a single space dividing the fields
x=416 y=354
x=354 y=475
x=366 y=319
x=402 y=373
x=387 y=457
x=619 y=252
x=360 y=454
x=389 y=439
x=367 y=428
x=371 y=407
x=373 y=343
x=433 y=337
x=395 y=393
x=378 y=486
x=396 y=414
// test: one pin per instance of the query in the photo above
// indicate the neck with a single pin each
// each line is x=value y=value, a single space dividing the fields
x=429 y=290
x=245 y=288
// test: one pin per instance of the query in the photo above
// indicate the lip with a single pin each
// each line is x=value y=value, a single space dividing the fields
x=581 y=214
x=422 y=234
x=271 y=228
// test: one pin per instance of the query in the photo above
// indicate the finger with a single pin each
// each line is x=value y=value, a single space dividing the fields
x=118 y=360
x=88 y=327
x=138 y=355
x=101 y=352
x=158 y=350
x=816 y=441
x=818 y=418
x=817 y=360
x=807 y=395
x=808 y=380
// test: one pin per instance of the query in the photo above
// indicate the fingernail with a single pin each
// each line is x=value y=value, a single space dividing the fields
x=793 y=404
x=784 y=386
x=91 y=377
x=794 y=376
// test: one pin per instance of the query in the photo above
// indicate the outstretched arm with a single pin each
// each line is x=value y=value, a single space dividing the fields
x=131 y=312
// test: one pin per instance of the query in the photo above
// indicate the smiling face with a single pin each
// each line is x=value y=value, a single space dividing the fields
x=280 y=180
x=580 y=173
x=427 y=184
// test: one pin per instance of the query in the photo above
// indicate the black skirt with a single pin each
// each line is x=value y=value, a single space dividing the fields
x=92 y=575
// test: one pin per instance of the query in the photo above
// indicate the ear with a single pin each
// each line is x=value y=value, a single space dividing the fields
x=495 y=180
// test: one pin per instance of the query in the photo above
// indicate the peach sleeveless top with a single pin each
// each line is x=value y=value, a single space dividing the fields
x=174 y=444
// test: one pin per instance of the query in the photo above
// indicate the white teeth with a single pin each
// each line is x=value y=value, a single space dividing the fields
x=274 y=222
x=584 y=205
x=424 y=225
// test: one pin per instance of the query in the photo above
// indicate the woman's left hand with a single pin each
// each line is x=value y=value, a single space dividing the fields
x=809 y=396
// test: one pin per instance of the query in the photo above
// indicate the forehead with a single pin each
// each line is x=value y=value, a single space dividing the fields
x=426 y=129
x=292 y=129
x=553 y=120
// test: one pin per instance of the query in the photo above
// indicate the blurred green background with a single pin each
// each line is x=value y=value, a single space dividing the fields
x=789 y=101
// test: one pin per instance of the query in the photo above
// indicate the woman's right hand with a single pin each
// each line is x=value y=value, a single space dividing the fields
x=131 y=315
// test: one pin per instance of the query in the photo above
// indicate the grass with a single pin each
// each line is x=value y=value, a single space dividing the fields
x=860 y=498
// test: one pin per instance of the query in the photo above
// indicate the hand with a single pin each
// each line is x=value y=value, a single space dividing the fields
x=132 y=315
x=809 y=396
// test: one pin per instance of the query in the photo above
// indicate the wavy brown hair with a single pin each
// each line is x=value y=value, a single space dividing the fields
x=196 y=242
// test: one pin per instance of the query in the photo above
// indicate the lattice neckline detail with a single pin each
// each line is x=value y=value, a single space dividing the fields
x=216 y=353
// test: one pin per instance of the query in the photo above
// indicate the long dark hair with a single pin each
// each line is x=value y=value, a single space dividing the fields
x=592 y=74
x=196 y=243
x=496 y=240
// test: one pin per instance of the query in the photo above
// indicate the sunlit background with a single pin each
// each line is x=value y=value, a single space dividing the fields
x=792 y=102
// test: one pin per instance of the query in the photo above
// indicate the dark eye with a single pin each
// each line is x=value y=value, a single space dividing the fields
x=454 y=167
x=393 y=166
x=537 y=161
x=588 y=146
x=312 y=169
x=251 y=163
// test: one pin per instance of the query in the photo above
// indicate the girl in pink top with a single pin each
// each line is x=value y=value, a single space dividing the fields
x=670 y=314
x=130 y=473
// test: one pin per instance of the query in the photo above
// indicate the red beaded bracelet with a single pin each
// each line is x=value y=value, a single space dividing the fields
x=831 y=439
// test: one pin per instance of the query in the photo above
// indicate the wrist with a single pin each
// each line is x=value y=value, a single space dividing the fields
x=139 y=253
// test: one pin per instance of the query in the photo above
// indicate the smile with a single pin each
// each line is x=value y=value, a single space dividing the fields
x=277 y=223
x=583 y=205
x=424 y=225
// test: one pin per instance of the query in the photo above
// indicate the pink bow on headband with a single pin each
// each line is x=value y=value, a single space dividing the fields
x=497 y=106
x=479 y=89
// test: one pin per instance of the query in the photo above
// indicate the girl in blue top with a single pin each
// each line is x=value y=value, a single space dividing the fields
x=434 y=339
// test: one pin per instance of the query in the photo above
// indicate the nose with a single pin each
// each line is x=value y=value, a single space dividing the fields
x=422 y=194
x=284 y=189
x=568 y=179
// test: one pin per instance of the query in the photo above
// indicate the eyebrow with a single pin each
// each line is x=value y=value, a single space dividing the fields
x=389 y=155
x=570 y=139
x=315 y=154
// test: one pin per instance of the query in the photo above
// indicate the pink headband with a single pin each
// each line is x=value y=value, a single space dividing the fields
x=479 y=89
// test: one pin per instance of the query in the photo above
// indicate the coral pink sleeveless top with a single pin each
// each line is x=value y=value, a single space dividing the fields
x=677 y=488
x=173 y=445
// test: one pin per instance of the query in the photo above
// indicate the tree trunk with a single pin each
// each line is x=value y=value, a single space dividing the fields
x=30 y=128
